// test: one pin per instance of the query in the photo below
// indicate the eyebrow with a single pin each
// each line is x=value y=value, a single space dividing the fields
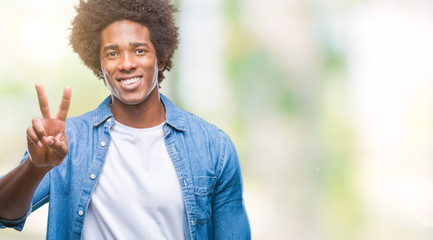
x=139 y=44
x=134 y=44
x=110 y=47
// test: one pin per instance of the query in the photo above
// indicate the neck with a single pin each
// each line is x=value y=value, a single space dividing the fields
x=147 y=114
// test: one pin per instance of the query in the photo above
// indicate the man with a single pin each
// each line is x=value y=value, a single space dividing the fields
x=137 y=167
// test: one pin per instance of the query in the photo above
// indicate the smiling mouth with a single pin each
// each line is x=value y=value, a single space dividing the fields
x=130 y=80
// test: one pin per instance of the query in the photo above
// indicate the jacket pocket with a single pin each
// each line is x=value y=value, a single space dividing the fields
x=203 y=188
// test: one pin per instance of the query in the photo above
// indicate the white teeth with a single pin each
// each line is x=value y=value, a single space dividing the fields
x=130 y=81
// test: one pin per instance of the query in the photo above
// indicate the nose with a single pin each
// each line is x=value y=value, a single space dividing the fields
x=127 y=62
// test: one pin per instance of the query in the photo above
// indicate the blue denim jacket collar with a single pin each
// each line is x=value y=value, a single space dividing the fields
x=173 y=114
x=103 y=112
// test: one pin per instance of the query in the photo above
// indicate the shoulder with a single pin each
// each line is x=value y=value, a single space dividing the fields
x=212 y=144
x=195 y=123
x=189 y=123
x=215 y=150
x=81 y=121
x=203 y=129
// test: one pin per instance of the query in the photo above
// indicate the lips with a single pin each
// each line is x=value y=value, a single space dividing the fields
x=130 y=83
x=130 y=80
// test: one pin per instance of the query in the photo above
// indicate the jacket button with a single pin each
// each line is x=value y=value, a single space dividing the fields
x=92 y=176
x=80 y=213
x=103 y=144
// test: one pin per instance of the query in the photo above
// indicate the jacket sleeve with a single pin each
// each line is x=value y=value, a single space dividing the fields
x=40 y=197
x=229 y=218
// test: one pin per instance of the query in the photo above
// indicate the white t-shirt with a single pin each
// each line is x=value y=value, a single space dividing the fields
x=138 y=195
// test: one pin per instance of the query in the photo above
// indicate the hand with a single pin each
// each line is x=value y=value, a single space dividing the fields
x=46 y=139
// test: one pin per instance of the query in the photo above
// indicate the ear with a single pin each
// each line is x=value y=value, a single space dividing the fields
x=161 y=65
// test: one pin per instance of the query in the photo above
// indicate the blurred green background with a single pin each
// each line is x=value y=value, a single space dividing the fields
x=329 y=103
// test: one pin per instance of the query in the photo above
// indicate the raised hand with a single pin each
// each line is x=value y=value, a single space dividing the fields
x=46 y=139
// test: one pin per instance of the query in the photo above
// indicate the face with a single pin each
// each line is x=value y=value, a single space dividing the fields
x=128 y=62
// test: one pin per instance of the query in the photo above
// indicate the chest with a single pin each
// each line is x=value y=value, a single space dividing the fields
x=139 y=167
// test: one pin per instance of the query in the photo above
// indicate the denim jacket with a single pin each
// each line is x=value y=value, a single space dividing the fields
x=204 y=157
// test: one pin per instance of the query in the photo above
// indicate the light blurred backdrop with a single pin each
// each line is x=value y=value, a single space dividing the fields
x=329 y=103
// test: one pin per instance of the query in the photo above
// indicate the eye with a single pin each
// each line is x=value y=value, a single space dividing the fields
x=140 y=51
x=111 y=54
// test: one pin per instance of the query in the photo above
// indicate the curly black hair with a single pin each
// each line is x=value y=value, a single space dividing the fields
x=93 y=16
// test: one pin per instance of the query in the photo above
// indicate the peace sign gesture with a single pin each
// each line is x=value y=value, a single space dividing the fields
x=46 y=139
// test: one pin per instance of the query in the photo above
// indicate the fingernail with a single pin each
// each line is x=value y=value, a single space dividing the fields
x=40 y=144
x=51 y=142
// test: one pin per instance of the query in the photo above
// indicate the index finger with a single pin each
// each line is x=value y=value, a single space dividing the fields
x=43 y=101
x=64 y=105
